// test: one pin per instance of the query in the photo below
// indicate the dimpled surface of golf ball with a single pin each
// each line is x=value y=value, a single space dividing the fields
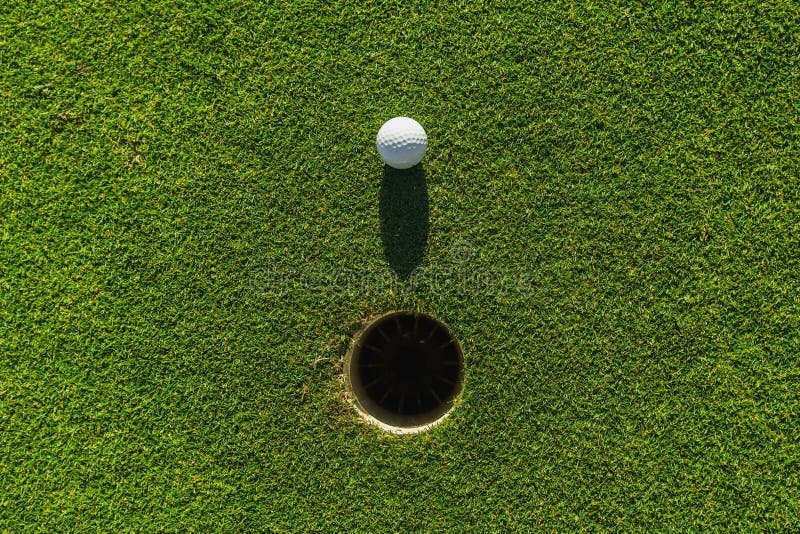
x=402 y=142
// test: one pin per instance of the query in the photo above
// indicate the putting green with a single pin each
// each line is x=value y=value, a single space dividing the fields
x=194 y=222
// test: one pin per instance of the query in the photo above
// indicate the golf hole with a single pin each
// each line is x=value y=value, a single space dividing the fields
x=404 y=370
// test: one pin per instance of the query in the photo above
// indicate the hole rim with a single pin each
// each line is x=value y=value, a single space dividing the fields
x=379 y=416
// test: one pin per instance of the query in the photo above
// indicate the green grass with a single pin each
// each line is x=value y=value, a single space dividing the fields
x=179 y=184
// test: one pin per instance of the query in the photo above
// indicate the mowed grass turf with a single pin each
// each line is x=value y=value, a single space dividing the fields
x=190 y=194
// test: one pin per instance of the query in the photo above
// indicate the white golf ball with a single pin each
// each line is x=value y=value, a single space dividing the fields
x=402 y=142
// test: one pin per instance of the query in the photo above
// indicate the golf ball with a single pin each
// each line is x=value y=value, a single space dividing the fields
x=402 y=142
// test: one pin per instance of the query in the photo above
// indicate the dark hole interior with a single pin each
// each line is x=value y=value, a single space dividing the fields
x=409 y=364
